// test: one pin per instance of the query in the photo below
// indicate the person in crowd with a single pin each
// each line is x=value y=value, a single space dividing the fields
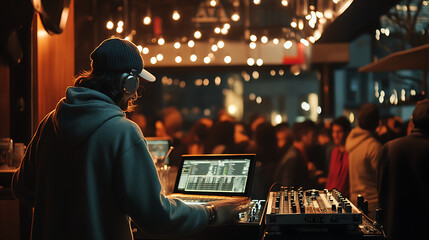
x=267 y=153
x=363 y=148
x=338 y=176
x=284 y=137
x=294 y=169
x=389 y=129
x=402 y=181
x=221 y=138
x=89 y=165
x=241 y=137
x=319 y=153
x=196 y=139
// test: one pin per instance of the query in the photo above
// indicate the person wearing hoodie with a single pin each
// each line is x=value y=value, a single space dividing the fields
x=363 y=149
x=87 y=170
x=403 y=181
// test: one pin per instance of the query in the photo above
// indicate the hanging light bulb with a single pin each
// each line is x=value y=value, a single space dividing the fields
x=191 y=43
x=161 y=41
x=235 y=17
x=175 y=16
x=197 y=34
x=109 y=25
x=147 y=20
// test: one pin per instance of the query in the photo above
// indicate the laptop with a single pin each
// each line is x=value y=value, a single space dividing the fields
x=210 y=177
x=158 y=148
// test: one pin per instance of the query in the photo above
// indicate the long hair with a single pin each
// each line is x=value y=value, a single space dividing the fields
x=107 y=83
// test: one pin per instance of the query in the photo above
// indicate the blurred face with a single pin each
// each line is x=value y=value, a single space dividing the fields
x=309 y=139
x=338 y=134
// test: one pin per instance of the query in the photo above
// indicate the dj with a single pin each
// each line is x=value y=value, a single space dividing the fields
x=87 y=171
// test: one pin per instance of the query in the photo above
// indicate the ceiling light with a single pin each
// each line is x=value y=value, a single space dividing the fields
x=220 y=44
x=178 y=59
x=109 y=25
x=191 y=43
x=227 y=59
x=161 y=41
x=176 y=15
x=193 y=58
x=264 y=39
x=253 y=38
x=288 y=44
x=159 y=57
x=235 y=17
x=176 y=45
x=197 y=34
x=147 y=20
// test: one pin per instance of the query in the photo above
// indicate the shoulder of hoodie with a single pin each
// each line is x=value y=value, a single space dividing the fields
x=120 y=125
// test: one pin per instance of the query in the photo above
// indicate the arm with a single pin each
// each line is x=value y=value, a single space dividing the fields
x=138 y=191
x=24 y=179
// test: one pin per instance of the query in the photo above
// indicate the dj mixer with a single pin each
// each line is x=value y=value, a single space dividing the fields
x=326 y=213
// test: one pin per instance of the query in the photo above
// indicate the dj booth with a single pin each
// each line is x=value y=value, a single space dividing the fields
x=293 y=214
x=286 y=213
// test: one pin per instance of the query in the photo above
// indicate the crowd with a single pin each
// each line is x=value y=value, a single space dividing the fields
x=327 y=154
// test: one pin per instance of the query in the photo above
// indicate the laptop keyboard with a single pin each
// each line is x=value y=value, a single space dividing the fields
x=200 y=199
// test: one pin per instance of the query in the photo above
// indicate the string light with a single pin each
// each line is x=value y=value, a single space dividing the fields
x=178 y=59
x=227 y=59
x=285 y=3
x=109 y=25
x=264 y=39
x=176 y=45
x=175 y=16
x=159 y=57
x=161 y=41
x=235 y=17
x=197 y=34
x=191 y=43
x=147 y=20
x=193 y=58
x=220 y=44
x=213 y=3
x=288 y=44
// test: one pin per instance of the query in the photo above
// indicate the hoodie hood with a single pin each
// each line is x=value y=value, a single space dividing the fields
x=356 y=137
x=81 y=112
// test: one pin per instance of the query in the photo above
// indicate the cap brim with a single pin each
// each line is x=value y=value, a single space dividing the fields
x=147 y=76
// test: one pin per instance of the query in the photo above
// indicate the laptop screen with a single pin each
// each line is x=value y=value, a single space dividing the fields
x=216 y=174
x=158 y=147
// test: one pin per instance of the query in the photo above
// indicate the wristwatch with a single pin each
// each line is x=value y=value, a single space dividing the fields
x=212 y=213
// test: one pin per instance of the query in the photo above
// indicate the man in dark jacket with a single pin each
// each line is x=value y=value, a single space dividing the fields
x=88 y=170
x=403 y=184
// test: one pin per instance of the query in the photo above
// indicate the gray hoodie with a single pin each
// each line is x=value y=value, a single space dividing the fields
x=87 y=170
x=363 y=149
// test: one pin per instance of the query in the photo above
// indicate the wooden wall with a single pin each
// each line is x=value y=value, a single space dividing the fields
x=53 y=66
x=4 y=100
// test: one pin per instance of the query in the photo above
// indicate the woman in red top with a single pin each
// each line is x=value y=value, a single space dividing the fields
x=339 y=166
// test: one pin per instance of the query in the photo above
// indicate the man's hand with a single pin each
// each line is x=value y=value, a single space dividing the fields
x=227 y=211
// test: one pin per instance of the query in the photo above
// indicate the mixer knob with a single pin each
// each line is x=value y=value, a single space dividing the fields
x=340 y=209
